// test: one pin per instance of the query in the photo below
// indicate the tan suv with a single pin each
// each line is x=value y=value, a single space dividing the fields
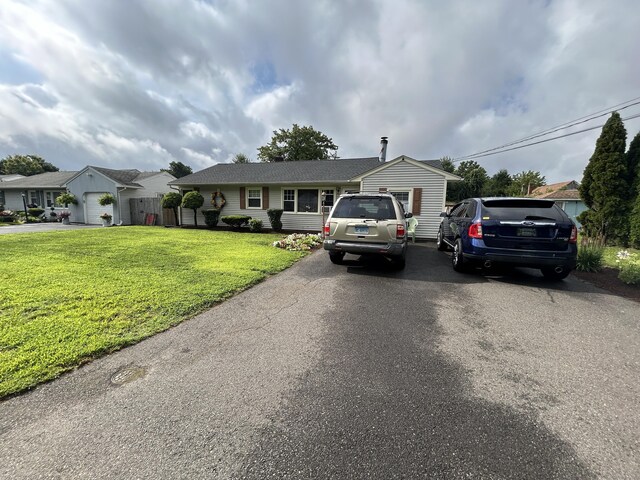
x=363 y=223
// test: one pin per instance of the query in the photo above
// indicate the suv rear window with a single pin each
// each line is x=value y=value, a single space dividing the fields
x=522 y=209
x=378 y=208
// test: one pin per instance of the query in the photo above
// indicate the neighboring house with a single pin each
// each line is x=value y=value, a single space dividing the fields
x=41 y=190
x=87 y=185
x=92 y=182
x=566 y=196
x=297 y=187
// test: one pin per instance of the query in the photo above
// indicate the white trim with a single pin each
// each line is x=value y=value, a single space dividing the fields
x=409 y=197
x=259 y=189
x=412 y=161
x=295 y=199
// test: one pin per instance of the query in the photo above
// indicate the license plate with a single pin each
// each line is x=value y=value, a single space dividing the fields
x=362 y=229
x=526 y=232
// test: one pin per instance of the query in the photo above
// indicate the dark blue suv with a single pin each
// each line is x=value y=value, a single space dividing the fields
x=523 y=232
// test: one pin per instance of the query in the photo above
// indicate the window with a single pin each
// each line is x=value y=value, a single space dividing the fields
x=305 y=200
x=379 y=208
x=254 y=198
x=289 y=200
x=329 y=197
x=51 y=198
x=35 y=197
x=403 y=198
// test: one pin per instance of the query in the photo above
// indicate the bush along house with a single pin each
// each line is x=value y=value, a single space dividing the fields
x=300 y=188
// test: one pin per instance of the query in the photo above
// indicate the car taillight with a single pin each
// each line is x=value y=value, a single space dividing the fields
x=327 y=229
x=400 y=231
x=475 y=230
x=574 y=235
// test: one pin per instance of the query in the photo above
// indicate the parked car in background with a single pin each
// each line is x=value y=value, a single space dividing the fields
x=367 y=224
x=520 y=232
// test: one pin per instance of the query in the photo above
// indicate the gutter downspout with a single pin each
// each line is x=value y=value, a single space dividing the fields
x=120 y=205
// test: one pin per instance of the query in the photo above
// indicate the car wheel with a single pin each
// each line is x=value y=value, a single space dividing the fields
x=440 y=241
x=336 y=258
x=458 y=261
x=552 y=274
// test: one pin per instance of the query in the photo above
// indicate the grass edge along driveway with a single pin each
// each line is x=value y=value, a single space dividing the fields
x=68 y=297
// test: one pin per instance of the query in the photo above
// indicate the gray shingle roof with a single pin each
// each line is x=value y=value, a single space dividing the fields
x=42 y=180
x=124 y=177
x=304 y=171
x=314 y=171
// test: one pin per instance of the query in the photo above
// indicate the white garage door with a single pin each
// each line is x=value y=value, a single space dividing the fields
x=94 y=209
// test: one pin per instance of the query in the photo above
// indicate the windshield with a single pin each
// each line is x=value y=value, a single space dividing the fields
x=521 y=209
x=378 y=208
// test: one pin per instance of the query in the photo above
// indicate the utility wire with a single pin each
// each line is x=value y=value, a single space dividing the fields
x=556 y=128
x=543 y=141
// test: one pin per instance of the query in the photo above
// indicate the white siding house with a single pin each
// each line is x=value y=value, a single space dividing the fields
x=297 y=187
x=420 y=186
x=91 y=182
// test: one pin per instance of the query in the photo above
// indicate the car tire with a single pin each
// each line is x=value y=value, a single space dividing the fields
x=551 y=274
x=440 y=243
x=458 y=262
x=336 y=258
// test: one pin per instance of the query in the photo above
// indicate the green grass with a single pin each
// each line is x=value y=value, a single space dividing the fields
x=609 y=258
x=67 y=297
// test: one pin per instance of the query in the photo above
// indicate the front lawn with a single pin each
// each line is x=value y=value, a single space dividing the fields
x=610 y=255
x=66 y=297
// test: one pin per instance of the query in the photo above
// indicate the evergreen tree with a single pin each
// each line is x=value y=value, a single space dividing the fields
x=605 y=186
x=474 y=179
x=633 y=166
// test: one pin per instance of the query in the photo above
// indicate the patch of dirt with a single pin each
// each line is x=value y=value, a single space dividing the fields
x=607 y=279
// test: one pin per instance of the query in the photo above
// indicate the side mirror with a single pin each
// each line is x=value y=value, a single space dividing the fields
x=444 y=214
x=408 y=215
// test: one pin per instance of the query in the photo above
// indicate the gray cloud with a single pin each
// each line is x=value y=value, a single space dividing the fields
x=143 y=83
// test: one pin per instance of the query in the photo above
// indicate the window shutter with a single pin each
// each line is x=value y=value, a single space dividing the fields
x=265 y=198
x=243 y=198
x=417 y=201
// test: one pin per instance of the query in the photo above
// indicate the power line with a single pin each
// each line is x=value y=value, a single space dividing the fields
x=545 y=140
x=556 y=128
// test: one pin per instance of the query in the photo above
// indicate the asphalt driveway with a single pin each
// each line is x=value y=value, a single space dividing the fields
x=355 y=371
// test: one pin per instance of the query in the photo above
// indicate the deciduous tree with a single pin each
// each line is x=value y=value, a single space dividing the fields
x=26 y=165
x=178 y=169
x=299 y=143
x=526 y=182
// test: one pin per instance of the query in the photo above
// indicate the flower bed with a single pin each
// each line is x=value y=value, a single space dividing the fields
x=299 y=242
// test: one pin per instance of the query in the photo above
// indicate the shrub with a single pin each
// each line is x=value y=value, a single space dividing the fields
x=630 y=273
x=236 y=221
x=211 y=216
x=299 y=242
x=106 y=199
x=590 y=254
x=629 y=267
x=36 y=212
x=172 y=200
x=193 y=200
x=275 y=214
x=66 y=199
x=7 y=216
x=255 y=225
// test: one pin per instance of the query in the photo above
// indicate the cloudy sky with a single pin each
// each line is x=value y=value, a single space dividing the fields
x=140 y=83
